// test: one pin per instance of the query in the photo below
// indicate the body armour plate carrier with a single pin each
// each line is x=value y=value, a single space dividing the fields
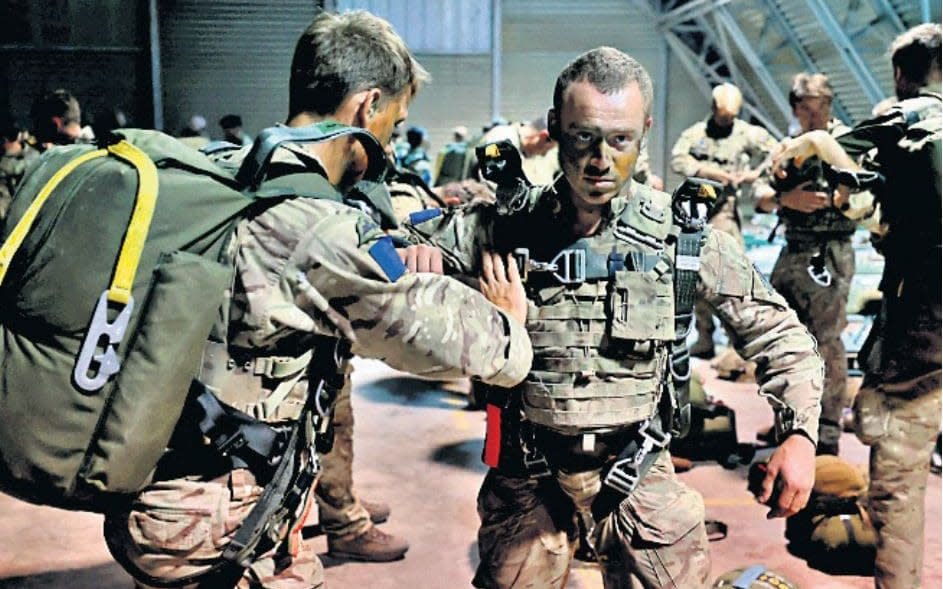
x=602 y=344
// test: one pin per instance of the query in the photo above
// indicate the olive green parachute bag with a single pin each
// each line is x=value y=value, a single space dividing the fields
x=112 y=277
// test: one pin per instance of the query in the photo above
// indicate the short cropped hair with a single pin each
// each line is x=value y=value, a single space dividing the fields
x=58 y=103
x=917 y=51
x=340 y=54
x=805 y=85
x=609 y=71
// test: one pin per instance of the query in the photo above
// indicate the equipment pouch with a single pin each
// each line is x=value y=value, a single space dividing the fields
x=641 y=307
x=149 y=392
x=871 y=415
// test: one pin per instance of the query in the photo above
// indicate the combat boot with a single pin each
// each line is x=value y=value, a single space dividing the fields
x=373 y=545
x=703 y=348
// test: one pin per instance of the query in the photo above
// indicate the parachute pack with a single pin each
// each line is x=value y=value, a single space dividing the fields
x=112 y=277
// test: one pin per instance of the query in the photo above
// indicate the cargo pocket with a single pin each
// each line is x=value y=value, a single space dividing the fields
x=641 y=307
x=667 y=523
x=669 y=543
x=871 y=415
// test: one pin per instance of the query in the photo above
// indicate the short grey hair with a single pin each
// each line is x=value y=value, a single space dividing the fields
x=343 y=53
x=609 y=71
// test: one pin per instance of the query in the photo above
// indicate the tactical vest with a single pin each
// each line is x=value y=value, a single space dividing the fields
x=602 y=341
x=826 y=223
x=823 y=223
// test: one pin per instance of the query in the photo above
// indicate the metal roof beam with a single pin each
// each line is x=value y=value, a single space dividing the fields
x=846 y=49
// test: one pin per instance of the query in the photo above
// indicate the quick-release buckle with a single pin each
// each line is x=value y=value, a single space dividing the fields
x=568 y=266
x=625 y=473
x=536 y=463
x=107 y=361
x=819 y=273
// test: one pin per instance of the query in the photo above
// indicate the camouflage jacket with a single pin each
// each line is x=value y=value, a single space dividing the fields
x=745 y=148
x=576 y=328
x=318 y=267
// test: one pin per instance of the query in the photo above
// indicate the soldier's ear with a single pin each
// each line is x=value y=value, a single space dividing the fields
x=553 y=124
x=368 y=106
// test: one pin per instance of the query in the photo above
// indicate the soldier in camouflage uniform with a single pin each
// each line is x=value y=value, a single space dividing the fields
x=728 y=150
x=312 y=270
x=17 y=155
x=816 y=227
x=346 y=518
x=532 y=139
x=897 y=410
x=600 y=379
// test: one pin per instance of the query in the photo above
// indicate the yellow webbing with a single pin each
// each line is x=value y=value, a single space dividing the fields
x=8 y=250
x=133 y=245
x=144 y=203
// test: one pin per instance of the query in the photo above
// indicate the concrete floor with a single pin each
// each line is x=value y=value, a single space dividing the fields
x=419 y=450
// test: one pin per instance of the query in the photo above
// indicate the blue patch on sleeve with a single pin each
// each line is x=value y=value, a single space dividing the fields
x=423 y=216
x=385 y=255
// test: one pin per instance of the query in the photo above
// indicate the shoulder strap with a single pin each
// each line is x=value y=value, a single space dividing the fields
x=253 y=169
x=690 y=205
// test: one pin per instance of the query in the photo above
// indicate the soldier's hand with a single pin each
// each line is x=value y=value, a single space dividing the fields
x=421 y=258
x=793 y=463
x=717 y=175
x=804 y=200
x=503 y=287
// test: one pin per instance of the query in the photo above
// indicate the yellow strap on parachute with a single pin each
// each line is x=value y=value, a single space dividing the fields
x=133 y=245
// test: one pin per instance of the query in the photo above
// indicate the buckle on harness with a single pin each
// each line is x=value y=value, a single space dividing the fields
x=107 y=361
x=818 y=272
x=626 y=472
x=568 y=266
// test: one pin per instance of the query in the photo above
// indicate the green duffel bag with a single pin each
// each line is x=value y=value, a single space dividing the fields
x=112 y=277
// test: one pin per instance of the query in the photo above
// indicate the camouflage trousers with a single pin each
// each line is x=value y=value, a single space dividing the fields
x=180 y=527
x=339 y=510
x=822 y=311
x=528 y=533
x=901 y=427
x=724 y=221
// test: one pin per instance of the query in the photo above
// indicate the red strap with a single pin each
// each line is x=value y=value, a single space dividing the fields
x=493 y=436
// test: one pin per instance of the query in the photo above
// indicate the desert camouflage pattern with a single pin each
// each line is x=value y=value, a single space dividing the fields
x=12 y=169
x=901 y=431
x=174 y=528
x=592 y=374
x=528 y=533
x=897 y=410
x=304 y=269
x=340 y=512
x=540 y=169
x=744 y=149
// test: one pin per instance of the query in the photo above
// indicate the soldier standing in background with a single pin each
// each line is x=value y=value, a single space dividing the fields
x=317 y=280
x=897 y=410
x=725 y=149
x=603 y=332
x=532 y=139
x=17 y=156
x=815 y=268
x=57 y=120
